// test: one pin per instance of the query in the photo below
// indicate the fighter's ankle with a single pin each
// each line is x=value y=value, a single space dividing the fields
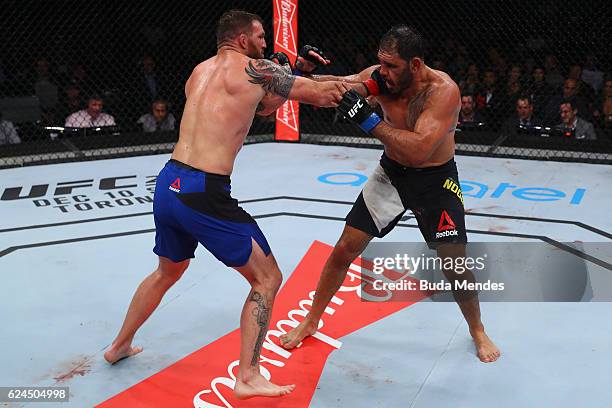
x=311 y=322
x=247 y=374
x=477 y=329
x=121 y=344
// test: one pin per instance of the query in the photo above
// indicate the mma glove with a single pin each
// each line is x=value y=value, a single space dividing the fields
x=376 y=85
x=281 y=57
x=356 y=109
x=305 y=54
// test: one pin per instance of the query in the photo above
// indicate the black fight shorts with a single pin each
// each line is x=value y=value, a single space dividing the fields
x=433 y=194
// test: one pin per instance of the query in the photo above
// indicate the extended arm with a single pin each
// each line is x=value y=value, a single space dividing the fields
x=274 y=79
x=353 y=78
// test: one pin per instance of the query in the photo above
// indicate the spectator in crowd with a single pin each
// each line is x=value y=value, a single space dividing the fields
x=554 y=78
x=523 y=118
x=515 y=74
x=150 y=78
x=496 y=61
x=92 y=116
x=603 y=108
x=71 y=102
x=45 y=88
x=77 y=77
x=471 y=82
x=539 y=90
x=8 y=133
x=590 y=74
x=585 y=91
x=488 y=99
x=469 y=116
x=574 y=125
x=528 y=66
x=570 y=91
x=507 y=101
x=458 y=66
x=149 y=85
x=159 y=119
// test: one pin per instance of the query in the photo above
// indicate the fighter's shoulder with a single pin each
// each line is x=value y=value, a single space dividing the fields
x=262 y=66
x=444 y=82
x=199 y=70
x=444 y=86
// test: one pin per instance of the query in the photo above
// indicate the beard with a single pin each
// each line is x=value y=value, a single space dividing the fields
x=254 y=52
x=403 y=83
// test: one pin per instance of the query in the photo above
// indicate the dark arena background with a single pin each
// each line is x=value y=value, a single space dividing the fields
x=55 y=56
x=77 y=225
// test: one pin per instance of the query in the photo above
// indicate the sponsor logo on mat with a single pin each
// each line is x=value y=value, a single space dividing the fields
x=206 y=378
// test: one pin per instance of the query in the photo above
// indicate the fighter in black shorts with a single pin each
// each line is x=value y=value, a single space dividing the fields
x=417 y=171
x=432 y=193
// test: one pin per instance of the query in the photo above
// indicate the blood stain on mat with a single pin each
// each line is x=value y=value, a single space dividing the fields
x=81 y=366
x=498 y=228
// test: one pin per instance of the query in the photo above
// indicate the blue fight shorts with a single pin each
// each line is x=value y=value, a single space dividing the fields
x=192 y=206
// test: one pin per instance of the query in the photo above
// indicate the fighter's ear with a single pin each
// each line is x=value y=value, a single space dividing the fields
x=243 y=40
x=415 y=64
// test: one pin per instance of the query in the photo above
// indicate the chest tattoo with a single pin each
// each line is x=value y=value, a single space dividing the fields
x=415 y=108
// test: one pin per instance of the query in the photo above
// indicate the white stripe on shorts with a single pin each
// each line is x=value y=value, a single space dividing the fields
x=382 y=199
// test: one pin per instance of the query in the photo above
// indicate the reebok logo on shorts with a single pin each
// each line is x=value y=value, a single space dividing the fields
x=450 y=184
x=176 y=185
x=446 y=226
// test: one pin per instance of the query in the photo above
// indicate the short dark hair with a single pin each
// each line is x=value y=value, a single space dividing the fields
x=466 y=94
x=95 y=97
x=404 y=40
x=571 y=102
x=525 y=97
x=490 y=69
x=234 y=22
x=159 y=100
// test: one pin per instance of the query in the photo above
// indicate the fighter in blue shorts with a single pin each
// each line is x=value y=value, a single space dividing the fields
x=193 y=206
x=192 y=198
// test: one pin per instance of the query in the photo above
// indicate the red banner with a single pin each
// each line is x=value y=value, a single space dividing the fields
x=206 y=378
x=285 y=40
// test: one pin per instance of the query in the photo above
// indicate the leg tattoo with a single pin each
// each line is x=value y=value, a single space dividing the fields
x=262 y=314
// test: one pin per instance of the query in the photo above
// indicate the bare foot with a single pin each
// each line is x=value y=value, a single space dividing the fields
x=258 y=386
x=486 y=350
x=295 y=336
x=115 y=354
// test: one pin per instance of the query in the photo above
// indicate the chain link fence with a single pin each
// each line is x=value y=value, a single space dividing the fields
x=64 y=60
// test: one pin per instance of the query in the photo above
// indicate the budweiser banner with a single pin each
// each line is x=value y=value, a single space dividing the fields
x=206 y=378
x=285 y=40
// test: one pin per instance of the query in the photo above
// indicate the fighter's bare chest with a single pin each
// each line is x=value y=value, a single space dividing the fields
x=404 y=113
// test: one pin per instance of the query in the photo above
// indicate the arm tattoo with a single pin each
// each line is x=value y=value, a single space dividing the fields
x=272 y=77
x=262 y=315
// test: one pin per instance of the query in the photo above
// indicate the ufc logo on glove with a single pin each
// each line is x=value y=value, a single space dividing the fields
x=355 y=108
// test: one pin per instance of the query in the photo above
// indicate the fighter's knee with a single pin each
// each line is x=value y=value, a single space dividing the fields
x=170 y=273
x=346 y=250
x=270 y=280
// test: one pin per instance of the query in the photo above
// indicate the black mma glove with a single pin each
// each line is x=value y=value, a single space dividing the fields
x=376 y=85
x=356 y=109
x=281 y=57
x=305 y=54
